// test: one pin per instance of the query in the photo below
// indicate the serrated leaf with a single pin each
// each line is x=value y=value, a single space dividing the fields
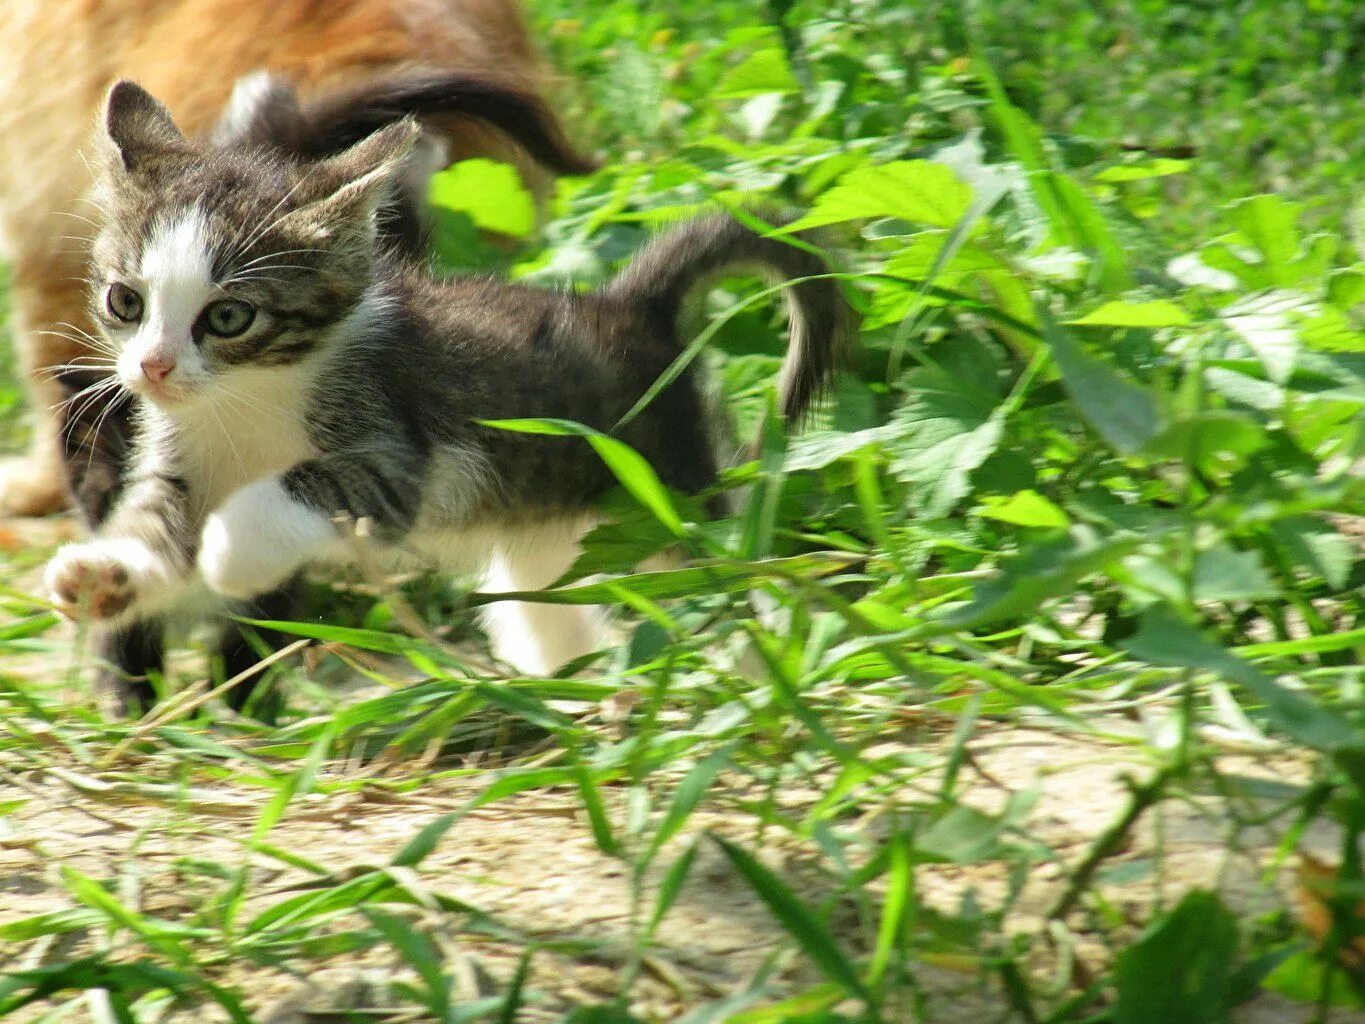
x=819 y=449
x=942 y=432
x=918 y=191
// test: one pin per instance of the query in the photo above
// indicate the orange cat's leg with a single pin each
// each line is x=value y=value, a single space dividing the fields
x=46 y=295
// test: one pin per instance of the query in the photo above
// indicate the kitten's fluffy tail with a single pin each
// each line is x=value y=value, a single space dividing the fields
x=671 y=266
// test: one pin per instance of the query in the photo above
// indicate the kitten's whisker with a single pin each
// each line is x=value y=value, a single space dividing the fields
x=233 y=395
x=227 y=436
x=102 y=351
x=93 y=339
x=107 y=395
x=99 y=426
x=78 y=216
x=277 y=254
x=50 y=372
x=88 y=392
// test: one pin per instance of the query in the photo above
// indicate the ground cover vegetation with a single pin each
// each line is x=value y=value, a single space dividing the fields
x=1093 y=472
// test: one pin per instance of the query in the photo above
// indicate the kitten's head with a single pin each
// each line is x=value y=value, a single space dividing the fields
x=213 y=263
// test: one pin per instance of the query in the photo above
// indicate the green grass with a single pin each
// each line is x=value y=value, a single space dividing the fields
x=1093 y=473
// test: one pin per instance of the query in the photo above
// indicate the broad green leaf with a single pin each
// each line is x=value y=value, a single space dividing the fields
x=1150 y=313
x=820 y=448
x=764 y=71
x=1026 y=508
x=918 y=191
x=1125 y=414
x=1304 y=977
x=1179 y=971
x=1328 y=330
x=796 y=918
x=491 y=194
x=943 y=431
x=629 y=535
x=1224 y=574
x=1266 y=323
x=1270 y=224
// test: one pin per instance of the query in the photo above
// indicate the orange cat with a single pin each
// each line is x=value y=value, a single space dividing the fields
x=59 y=59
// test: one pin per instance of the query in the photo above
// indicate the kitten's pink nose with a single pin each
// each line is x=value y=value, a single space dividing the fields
x=157 y=370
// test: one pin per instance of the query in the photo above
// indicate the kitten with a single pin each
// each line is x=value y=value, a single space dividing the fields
x=59 y=59
x=288 y=369
x=264 y=112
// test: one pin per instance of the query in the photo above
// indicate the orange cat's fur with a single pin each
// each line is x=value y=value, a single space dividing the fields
x=59 y=59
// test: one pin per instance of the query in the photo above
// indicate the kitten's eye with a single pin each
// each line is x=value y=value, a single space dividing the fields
x=228 y=318
x=124 y=303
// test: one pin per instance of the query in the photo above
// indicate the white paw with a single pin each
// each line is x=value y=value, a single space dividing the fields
x=101 y=579
x=258 y=539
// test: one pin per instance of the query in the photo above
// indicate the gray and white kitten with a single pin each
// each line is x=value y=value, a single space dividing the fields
x=290 y=370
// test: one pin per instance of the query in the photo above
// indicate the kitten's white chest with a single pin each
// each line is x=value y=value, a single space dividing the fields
x=231 y=444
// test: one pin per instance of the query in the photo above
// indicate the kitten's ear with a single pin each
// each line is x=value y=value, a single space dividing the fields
x=137 y=128
x=349 y=187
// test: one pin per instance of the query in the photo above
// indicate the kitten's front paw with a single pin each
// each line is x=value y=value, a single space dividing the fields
x=257 y=540
x=90 y=581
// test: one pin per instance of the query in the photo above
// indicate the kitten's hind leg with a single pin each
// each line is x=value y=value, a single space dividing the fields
x=539 y=638
x=130 y=654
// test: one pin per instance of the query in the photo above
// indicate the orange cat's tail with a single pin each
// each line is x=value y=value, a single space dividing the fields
x=265 y=111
